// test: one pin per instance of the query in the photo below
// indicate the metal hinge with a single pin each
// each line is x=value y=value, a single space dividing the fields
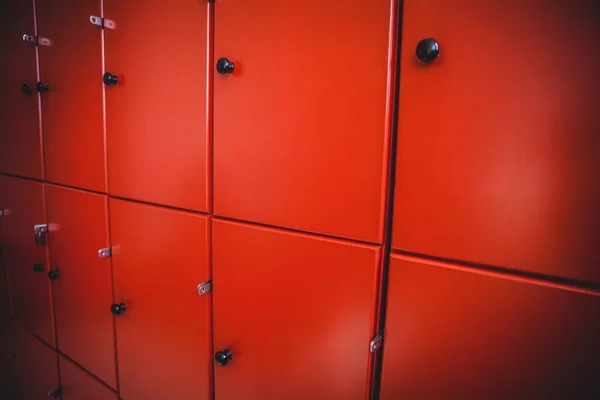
x=106 y=252
x=40 y=234
x=30 y=38
x=205 y=288
x=102 y=22
x=376 y=343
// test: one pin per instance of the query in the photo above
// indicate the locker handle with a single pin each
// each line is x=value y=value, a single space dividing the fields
x=223 y=357
x=54 y=274
x=26 y=89
x=42 y=87
x=118 y=309
x=110 y=79
x=224 y=66
x=428 y=50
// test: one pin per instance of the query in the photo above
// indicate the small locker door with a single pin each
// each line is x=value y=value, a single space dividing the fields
x=160 y=257
x=156 y=101
x=300 y=114
x=455 y=333
x=498 y=145
x=83 y=290
x=76 y=384
x=292 y=314
x=27 y=268
x=20 y=150
x=72 y=108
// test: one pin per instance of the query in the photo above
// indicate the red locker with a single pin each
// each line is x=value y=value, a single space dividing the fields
x=293 y=311
x=498 y=138
x=156 y=105
x=83 y=291
x=72 y=109
x=76 y=384
x=457 y=333
x=300 y=124
x=27 y=267
x=20 y=150
x=160 y=257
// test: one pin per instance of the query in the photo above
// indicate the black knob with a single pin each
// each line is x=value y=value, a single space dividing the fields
x=42 y=87
x=110 y=79
x=428 y=50
x=223 y=357
x=55 y=394
x=53 y=274
x=224 y=66
x=38 y=267
x=118 y=309
x=26 y=89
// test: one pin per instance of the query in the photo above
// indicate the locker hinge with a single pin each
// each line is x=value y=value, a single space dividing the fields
x=102 y=22
x=205 y=288
x=40 y=234
x=30 y=38
x=106 y=252
x=376 y=343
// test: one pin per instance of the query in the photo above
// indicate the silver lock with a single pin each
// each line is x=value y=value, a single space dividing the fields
x=40 y=234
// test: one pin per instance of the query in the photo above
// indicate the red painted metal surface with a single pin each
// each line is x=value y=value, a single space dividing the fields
x=295 y=310
x=76 y=384
x=71 y=64
x=300 y=124
x=467 y=335
x=156 y=114
x=20 y=151
x=83 y=293
x=498 y=138
x=30 y=290
x=4 y=286
x=160 y=258
x=7 y=360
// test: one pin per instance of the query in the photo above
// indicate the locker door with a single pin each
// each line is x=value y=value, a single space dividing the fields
x=163 y=325
x=27 y=267
x=295 y=313
x=20 y=151
x=76 y=384
x=299 y=125
x=454 y=333
x=72 y=109
x=156 y=112
x=83 y=292
x=498 y=145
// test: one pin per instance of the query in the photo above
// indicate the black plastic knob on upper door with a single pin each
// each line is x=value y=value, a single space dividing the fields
x=42 y=87
x=110 y=79
x=223 y=357
x=118 y=309
x=26 y=89
x=224 y=66
x=38 y=267
x=54 y=274
x=428 y=50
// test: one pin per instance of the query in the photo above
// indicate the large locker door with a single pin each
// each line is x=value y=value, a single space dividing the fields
x=498 y=145
x=292 y=314
x=76 y=384
x=83 y=290
x=156 y=101
x=20 y=150
x=27 y=268
x=454 y=333
x=72 y=109
x=160 y=257
x=299 y=124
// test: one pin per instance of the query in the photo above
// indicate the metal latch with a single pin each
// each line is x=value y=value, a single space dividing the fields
x=205 y=288
x=102 y=22
x=30 y=39
x=103 y=253
x=40 y=234
x=376 y=343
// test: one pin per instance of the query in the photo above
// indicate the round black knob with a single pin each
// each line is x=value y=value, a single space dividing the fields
x=53 y=274
x=223 y=357
x=110 y=79
x=38 y=267
x=428 y=50
x=118 y=309
x=224 y=66
x=42 y=87
x=26 y=89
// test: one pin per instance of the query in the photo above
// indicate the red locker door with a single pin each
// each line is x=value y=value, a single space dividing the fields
x=35 y=374
x=295 y=312
x=160 y=257
x=156 y=113
x=72 y=110
x=20 y=150
x=27 y=268
x=299 y=125
x=76 y=384
x=498 y=145
x=83 y=292
x=455 y=333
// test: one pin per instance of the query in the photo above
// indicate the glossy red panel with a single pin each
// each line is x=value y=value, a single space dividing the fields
x=160 y=258
x=295 y=311
x=76 y=384
x=83 y=293
x=498 y=138
x=459 y=334
x=30 y=290
x=72 y=109
x=156 y=114
x=299 y=126
x=20 y=150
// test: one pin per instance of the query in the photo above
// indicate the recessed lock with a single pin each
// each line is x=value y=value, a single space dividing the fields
x=53 y=274
x=26 y=89
x=40 y=234
x=42 y=87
